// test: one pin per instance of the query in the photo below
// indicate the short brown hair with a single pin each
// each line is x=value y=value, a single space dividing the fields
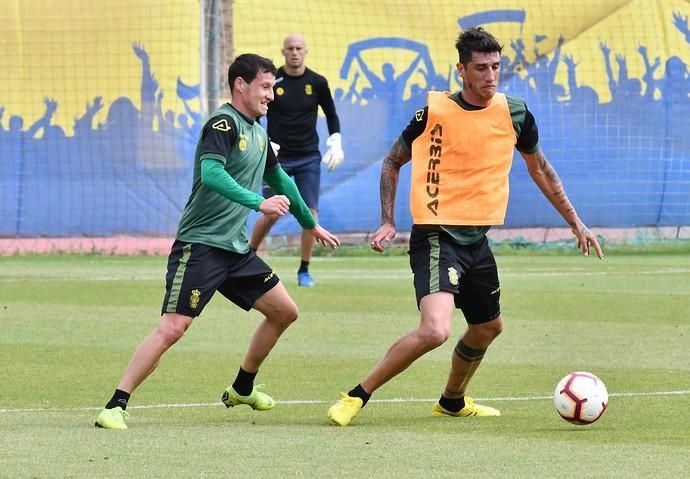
x=475 y=39
x=247 y=66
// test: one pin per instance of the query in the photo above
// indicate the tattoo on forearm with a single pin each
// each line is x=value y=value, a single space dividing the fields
x=560 y=198
x=548 y=169
x=390 y=173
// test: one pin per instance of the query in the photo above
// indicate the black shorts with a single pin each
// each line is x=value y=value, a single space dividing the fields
x=469 y=272
x=196 y=271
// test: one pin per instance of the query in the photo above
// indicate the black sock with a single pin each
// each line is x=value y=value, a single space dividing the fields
x=120 y=398
x=303 y=267
x=244 y=382
x=452 y=404
x=359 y=392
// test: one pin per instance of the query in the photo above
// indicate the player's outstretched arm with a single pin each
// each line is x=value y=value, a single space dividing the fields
x=390 y=175
x=546 y=178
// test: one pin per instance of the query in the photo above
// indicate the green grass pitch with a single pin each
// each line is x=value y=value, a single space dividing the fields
x=69 y=325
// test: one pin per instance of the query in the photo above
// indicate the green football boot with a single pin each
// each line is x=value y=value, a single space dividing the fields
x=257 y=400
x=112 y=418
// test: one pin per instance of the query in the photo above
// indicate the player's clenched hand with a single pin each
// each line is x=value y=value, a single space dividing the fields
x=324 y=237
x=384 y=234
x=275 y=205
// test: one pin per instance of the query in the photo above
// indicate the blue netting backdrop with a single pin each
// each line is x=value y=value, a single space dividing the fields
x=123 y=166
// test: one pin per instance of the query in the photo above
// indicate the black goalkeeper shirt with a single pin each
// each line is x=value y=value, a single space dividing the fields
x=293 y=112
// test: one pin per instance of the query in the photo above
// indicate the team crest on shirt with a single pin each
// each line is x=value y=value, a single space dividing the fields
x=242 y=144
x=280 y=91
x=453 y=276
x=308 y=89
x=221 y=125
x=419 y=115
x=194 y=298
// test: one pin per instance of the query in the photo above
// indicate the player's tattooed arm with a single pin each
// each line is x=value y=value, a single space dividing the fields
x=390 y=174
x=545 y=176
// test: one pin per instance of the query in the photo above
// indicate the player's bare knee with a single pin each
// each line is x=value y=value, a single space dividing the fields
x=290 y=316
x=293 y=314
x=495 y=327
x=286 y=315
x=433 y=337
x=171 y=329
x=485 y=333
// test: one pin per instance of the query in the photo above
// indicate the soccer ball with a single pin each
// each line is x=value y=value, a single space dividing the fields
x=581 y=398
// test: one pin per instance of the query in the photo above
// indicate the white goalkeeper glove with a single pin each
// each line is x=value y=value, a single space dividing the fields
x=335 y=154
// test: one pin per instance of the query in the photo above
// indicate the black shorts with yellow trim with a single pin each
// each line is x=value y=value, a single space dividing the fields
x=468 y=271
x=196 y=271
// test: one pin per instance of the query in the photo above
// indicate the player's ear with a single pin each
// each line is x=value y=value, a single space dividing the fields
x=239 y=84
x=461 y=69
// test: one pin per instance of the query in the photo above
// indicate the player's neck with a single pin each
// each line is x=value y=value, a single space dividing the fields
x=474 y=100
x=242 y=108
x=294 y=71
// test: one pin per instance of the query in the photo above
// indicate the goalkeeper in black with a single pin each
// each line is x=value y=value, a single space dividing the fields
x=299 y=92
x=211 y=251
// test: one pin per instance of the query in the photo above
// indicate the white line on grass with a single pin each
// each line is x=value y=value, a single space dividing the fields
x=319 y=401
x=360 y=274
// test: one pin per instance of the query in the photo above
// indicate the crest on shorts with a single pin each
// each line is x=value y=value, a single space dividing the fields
x=419 y=115
x=280 y=91
x=453 y=276
x=221 y=125
x=242 y=145
x=308 y=89
x=194 y=298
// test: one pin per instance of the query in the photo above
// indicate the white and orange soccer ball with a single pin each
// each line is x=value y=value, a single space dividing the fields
x=581 y=398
